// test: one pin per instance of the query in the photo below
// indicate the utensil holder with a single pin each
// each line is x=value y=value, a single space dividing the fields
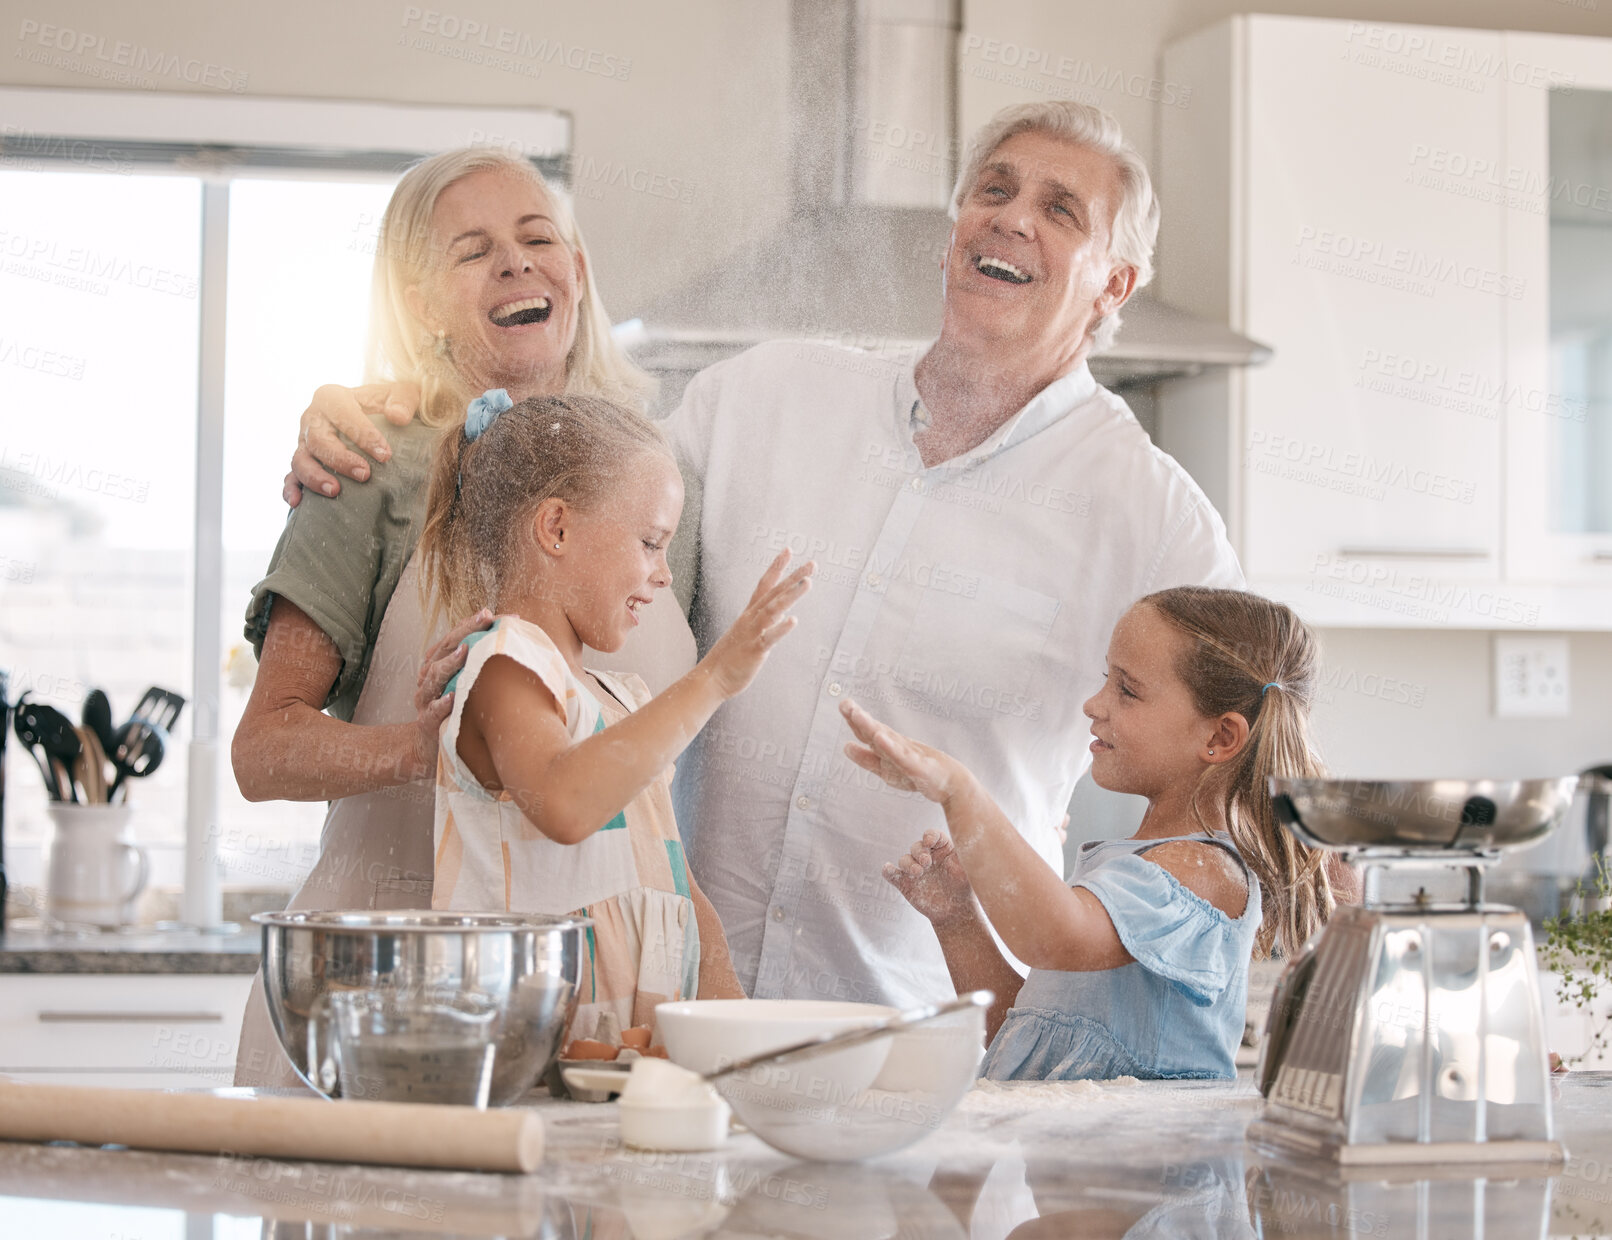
x=95 y=871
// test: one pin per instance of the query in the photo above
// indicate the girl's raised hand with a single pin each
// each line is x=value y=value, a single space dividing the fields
x=933 y=880
x=738 y=655
x=899 y=760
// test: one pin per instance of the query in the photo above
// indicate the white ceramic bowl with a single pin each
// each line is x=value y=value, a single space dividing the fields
x=845 y=1104
x=703 y=1035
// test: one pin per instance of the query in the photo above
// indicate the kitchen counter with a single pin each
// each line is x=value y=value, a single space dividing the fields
x=25 y=949
x=1152 y=1160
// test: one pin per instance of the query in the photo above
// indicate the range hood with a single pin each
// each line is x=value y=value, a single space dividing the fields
x=874 y=147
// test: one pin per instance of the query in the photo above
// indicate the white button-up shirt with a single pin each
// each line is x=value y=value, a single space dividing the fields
x=968 y=604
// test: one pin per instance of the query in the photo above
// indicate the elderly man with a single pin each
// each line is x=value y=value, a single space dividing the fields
x=981 y=517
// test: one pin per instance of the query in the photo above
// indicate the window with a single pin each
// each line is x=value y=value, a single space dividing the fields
x=169 y=299
x=98 y=365
x=300 y=256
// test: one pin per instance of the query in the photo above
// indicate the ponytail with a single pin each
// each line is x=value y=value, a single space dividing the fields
x=1257 y=658
x=448 y=576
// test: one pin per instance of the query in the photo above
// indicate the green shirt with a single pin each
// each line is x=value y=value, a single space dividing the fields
x=339 y=559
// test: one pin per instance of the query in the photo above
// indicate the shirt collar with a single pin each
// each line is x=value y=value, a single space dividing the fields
x=1058 y=399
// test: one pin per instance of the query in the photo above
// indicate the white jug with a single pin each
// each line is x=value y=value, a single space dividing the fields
x=95 y=871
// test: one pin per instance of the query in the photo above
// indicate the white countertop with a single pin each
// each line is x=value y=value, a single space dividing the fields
x=1154 y=1159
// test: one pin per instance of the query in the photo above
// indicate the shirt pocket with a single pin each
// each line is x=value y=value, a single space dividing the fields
x=977 y=651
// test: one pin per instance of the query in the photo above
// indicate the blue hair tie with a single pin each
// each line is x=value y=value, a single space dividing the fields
x=481 y=414
x=484 y=410
x=1275 y=684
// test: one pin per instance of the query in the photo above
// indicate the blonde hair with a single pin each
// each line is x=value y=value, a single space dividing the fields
x=567 y=447
x=1136 y=219
x=1241 y=643
x=402 y=347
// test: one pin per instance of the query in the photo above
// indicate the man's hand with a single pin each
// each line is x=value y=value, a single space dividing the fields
x=338 y=411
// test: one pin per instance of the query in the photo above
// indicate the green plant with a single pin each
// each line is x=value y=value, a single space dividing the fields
x=1578 y=948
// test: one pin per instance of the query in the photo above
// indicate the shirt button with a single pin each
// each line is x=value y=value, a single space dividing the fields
x=777 y=914
x=873 y=580
x=803 y=802
x=917 y=484
x=834 y=689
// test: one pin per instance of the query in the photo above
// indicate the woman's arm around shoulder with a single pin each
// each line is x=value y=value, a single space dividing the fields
x=286 y=748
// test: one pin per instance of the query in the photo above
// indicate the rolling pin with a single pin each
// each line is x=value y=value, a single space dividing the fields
x=393 y=1134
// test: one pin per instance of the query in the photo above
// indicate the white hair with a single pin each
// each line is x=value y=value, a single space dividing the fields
x=1136 y=220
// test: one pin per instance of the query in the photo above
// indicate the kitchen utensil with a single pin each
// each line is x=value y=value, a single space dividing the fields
x=159 y=706
x=1413 y=1031
x=826 y=1043
x=94 y=871
x=140 y=750
x=388 y=1046
x=527 y=965
x=385 y=1133
x=675 y=1129
x=668 y=1108
x=30 y=742
x=91 y=771
x=876 y=1087
x=59 y=739
x=139 y=745
x=50 y=734
x=97 y=718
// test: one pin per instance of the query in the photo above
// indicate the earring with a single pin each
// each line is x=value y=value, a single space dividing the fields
x=556 y=546
x=1211 y=753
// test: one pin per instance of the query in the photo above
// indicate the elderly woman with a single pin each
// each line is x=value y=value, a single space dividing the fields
x=481 y=281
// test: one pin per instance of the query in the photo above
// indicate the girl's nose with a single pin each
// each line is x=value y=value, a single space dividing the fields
x=1089 y=707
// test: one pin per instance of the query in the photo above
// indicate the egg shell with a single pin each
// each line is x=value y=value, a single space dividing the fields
x=586 y=1048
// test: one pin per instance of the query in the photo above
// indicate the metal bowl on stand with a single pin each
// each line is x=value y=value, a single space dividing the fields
x=514 y=975
x=1421 y=815
x=1411 y=1030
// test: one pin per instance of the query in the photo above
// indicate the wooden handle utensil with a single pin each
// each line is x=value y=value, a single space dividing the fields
x=396 y=1134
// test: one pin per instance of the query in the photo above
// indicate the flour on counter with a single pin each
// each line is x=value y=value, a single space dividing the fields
x=1037 y=1095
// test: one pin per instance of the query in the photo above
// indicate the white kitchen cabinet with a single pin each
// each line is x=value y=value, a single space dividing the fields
x=158 y=1031
x=1319 y=196
x=1557 y=187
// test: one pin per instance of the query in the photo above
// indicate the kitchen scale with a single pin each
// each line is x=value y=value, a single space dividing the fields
x=1411 y=1030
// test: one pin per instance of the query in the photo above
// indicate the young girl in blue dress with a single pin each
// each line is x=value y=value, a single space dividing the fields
x=1139 y=964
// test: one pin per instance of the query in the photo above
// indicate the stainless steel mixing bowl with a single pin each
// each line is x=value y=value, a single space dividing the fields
x=527 y=965
x=1421 y=815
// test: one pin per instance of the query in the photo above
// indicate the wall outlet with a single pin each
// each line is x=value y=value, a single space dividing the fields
x=1531 y=677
